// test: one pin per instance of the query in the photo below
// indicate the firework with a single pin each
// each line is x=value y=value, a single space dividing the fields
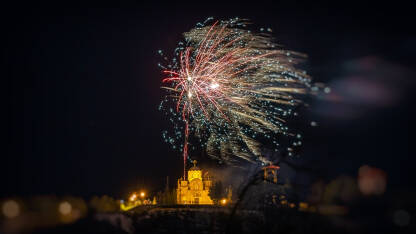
x=233 y=89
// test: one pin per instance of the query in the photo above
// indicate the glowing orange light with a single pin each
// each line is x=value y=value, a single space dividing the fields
x=65 y=208
x=223 y=201
x=303 y=206
x=11 y=209
x=371 y=180
x=142 y=194
x=133 y=197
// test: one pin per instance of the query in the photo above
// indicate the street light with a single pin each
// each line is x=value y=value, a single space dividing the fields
x=133 y=197
x=142 y=194
x=223 y=201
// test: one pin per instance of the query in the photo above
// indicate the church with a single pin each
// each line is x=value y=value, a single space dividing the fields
x=195 y=189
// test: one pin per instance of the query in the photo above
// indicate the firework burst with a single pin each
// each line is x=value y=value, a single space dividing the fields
x=232 y=90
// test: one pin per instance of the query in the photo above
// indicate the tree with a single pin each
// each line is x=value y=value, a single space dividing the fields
x=168 y=197
x=216 y=192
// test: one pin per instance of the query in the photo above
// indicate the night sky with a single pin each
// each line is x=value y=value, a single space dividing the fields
x=82 y=90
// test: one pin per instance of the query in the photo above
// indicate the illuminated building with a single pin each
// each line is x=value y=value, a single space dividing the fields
x=271 y=170
x=195 y=189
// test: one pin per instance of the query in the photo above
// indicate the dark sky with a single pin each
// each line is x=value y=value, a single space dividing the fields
x=82 y=89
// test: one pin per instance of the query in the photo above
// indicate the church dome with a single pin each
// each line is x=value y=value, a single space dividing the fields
x=194 y=167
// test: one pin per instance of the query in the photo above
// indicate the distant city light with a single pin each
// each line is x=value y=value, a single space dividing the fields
x=11 y=209
x=65 y=208
x=223 y=201
x=142 y=194
x=303 y=206
x=371 y=180
x=133 y=197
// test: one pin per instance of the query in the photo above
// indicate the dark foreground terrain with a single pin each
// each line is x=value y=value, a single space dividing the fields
x=219 y=220
x=197 y=220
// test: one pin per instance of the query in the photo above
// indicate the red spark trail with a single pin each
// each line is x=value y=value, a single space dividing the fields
x=224 y=78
